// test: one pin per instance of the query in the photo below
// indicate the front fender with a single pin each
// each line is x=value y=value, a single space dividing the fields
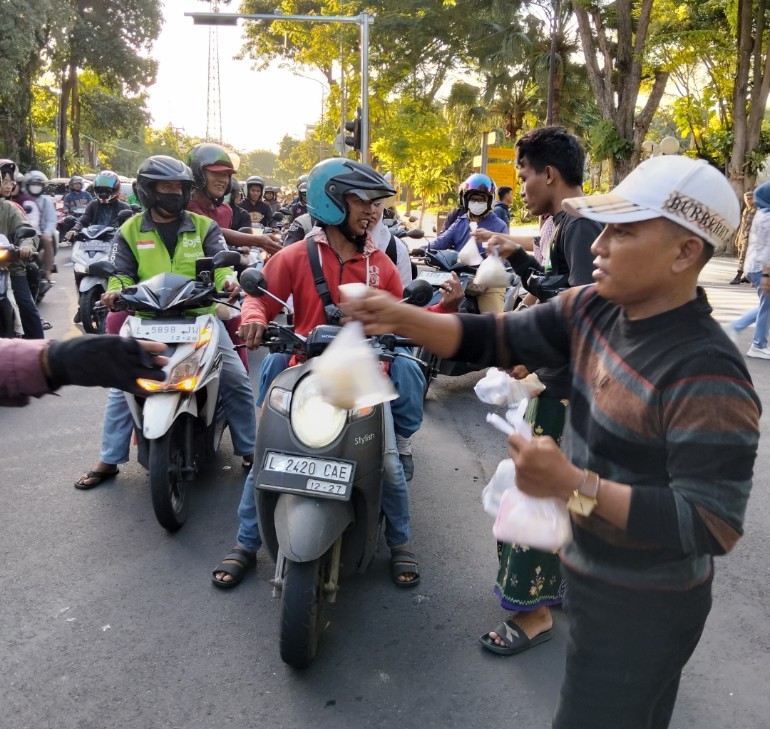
x=162 y=409
x=88 y=282
x=307 y=527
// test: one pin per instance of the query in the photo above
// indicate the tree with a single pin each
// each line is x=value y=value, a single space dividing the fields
x=620 y=64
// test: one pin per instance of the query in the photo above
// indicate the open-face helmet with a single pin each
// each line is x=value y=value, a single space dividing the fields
x=329 y=181
x=255 y=180
x=207 y=156
x=35 y=181
x=478 y=183
x=76 y=180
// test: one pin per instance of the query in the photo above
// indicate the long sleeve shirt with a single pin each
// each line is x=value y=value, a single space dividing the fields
x=758 y=256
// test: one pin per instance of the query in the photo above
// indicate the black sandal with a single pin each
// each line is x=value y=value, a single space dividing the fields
x=240 y=561
x=97 y=476
x=403 y=562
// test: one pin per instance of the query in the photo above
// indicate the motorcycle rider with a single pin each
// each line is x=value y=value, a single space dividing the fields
x=212 y=171
x=298 y=206
x=35 y=182
x=241 y=218
x=271 y=198
x=105 y=208
x=253 y=204
x=12 y=218
x=76 y=196
x=341 y=196
x=172 y=239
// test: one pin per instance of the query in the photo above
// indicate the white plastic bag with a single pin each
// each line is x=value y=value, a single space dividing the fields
x=349 y=373
x=499 y=388
x=539 y=523
x=491 y=273
x=469 y=254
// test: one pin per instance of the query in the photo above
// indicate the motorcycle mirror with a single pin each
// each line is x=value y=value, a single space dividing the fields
x=102 y=269
x=418 y=293
x=415 y=233
x=203 y=264
x=413 y=218
x=253 y=282
x=226 y=258
x=23 y=232
x=124 y=215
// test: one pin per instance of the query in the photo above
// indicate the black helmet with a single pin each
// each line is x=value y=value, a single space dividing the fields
x=76 y=180
x=255 y=180
x=208 y=156
x=160 y=167
x=106 y=186
x=235 y=190
x=330 y=180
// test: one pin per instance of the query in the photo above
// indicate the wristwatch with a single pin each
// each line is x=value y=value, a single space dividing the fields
x=583 y=499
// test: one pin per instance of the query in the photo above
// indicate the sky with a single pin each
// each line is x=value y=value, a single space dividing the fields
x=258 y=107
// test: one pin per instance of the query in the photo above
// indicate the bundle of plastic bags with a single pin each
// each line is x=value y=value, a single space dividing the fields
x=542 y=523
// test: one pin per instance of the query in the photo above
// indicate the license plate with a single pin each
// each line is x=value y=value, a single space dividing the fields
x=100 y=247
x=167 y=333
x=435 y=278
x=302 y=474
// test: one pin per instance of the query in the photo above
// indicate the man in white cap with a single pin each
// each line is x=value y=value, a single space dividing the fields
x=663 y=432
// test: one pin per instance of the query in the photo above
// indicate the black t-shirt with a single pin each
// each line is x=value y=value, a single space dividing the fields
x=169 y=232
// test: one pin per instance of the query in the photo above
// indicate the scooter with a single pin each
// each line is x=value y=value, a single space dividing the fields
x=443 y=264
x=179 y=422
x=90 y=245
x=8 y=253
x=318 y=479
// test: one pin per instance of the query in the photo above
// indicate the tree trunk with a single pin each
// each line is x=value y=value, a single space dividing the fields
x=735 y=171
x=64 y=103
x=75 y=115
x=408 y=200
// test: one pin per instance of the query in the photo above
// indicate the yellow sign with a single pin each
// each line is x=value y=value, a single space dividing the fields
x=502 y=173
x=501 y=153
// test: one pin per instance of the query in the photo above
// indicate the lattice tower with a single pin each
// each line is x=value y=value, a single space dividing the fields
x=213 y=99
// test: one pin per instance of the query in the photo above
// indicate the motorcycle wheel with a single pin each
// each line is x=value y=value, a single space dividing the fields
x=301 y=600
x=167 y=485
x=93 y=322
x=7 y=320
x=429 y=364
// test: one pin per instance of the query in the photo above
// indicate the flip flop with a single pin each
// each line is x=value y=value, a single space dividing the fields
x=403 y=562
x=240 y=560
x=514 y=637
x=100 y=476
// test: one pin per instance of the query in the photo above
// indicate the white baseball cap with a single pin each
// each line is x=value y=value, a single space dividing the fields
x=689 y=192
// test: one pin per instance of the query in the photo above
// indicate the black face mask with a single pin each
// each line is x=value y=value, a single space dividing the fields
x=169 y=204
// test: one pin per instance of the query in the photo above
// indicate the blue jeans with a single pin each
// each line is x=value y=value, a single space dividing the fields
x=395 y=499
x=28 y=313
x=763 y=314
x=234 y=392
x=742 y=322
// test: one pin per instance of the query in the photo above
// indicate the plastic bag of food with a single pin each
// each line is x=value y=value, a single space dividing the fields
x=349 y=371
x=499 y=388
x=469 y=254
x=491 y=273
x=539 y=523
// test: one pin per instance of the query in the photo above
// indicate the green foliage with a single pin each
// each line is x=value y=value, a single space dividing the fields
x=605 y=143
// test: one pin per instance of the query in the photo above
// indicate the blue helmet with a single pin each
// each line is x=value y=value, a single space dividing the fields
x=330 y=180
x=480 y=184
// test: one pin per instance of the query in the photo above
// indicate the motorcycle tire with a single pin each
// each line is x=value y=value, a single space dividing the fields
x=93 y=322
x=301 y=602
x=429 y=364
x=167 y=485
x=7 y=320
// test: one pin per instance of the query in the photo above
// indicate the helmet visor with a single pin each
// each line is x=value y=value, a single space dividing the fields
x=371 y=194
x=218 y=168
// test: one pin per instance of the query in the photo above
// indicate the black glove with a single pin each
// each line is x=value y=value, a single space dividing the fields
x=101 y=361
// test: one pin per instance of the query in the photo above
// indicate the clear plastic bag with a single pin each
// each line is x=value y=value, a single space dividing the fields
x=491 y=273
x=499 y=388
x=349 y=372
x=469 y=254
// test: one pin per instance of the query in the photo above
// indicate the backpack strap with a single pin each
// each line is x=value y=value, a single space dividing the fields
x=392 y=250
x=318 y=275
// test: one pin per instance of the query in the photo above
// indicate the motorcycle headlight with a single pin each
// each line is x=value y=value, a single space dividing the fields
x=184 y=376
x=315 y=422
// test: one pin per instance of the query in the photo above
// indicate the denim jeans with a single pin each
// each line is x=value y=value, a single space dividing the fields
x=234 y=392
x=395 y=499
x=746 y=320
x=763 y=314
x=625 y=652
x=28 y=313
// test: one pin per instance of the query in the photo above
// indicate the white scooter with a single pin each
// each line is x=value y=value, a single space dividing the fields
x=179 y=423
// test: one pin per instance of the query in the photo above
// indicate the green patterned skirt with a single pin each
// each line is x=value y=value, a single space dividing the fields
x=528 y=578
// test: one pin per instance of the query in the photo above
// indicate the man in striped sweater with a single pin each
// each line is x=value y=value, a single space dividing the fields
x=663 y=433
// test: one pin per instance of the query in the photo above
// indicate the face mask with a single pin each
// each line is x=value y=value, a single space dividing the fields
x=35 y=189
x=477 y=208
x=169 y=203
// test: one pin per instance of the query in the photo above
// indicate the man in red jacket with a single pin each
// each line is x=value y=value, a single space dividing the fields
x=341 y=196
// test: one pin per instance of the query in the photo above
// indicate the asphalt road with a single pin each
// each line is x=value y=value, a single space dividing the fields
x=108 y=621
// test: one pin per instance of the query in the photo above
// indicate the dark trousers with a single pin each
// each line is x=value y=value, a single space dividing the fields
x=30 y=317
x=625 y=653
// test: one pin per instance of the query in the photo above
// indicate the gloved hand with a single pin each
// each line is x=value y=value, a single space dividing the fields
x=104 y=361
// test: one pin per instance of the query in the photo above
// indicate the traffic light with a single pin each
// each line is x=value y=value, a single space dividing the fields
x=354 y=127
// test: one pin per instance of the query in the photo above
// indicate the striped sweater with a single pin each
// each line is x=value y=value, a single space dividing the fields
x=664 y=402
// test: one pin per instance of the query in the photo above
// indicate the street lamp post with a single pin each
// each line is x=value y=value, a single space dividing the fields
x=363 y=20
x=323 y=104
